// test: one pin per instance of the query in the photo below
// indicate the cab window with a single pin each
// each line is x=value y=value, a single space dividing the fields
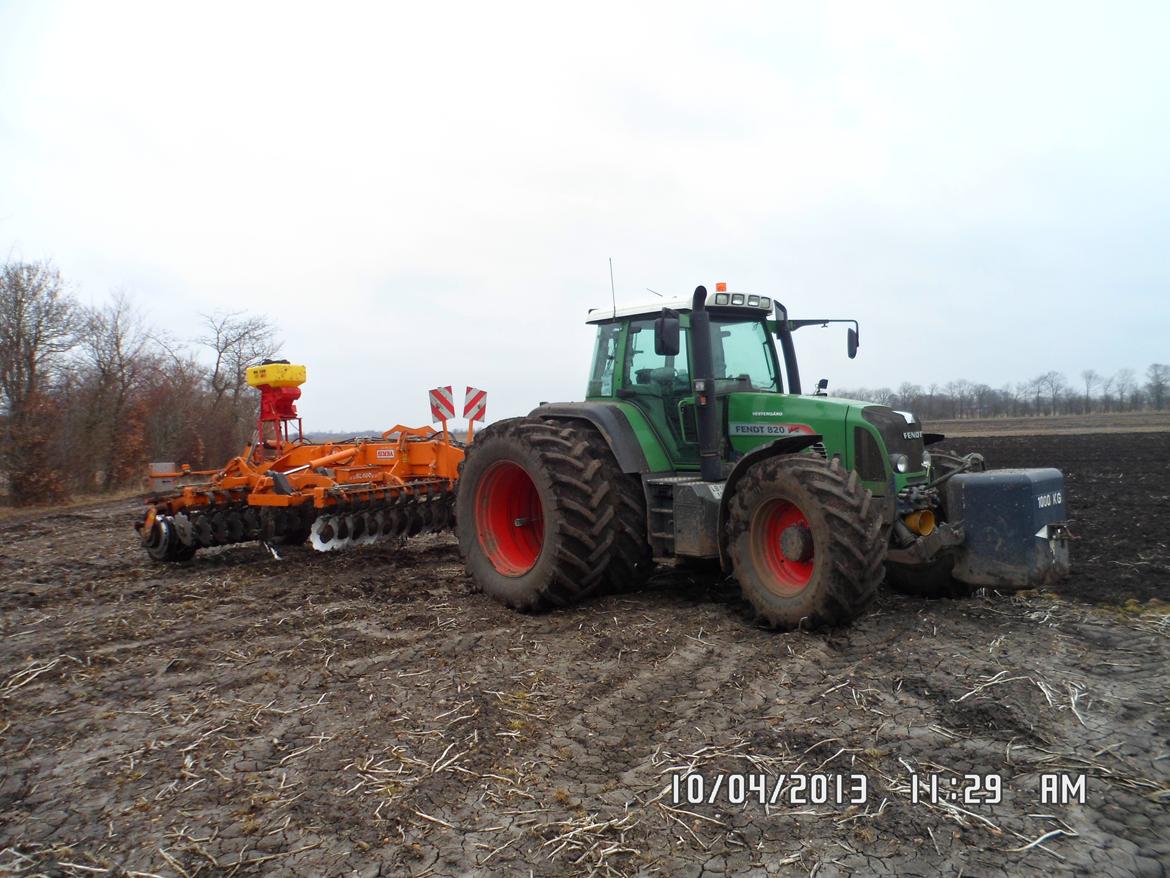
x=660 y=386
x=653 y=374
x=742 y=356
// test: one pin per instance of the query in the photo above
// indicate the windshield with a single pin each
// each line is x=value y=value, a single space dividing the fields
x=742 y=352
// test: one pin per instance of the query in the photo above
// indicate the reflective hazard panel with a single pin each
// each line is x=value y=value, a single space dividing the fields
x=475 y=404
x=442 y=403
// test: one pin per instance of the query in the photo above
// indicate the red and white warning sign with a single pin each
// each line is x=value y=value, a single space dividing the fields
x=442 y=403
x=475 y=404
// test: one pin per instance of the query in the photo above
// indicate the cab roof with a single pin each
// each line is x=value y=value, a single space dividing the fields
x=748 y=303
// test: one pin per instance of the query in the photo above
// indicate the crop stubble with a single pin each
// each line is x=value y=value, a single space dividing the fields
x=366 y=713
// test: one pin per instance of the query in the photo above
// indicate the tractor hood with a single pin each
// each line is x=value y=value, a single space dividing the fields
x=815 y=413
x=754 y=419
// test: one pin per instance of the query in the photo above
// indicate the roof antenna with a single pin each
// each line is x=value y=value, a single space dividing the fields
x=612 y=291
x=655 y=292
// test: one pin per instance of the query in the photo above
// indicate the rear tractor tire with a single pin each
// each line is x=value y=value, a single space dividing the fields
x=632 y=561
x=544 y=516
x=806 y=542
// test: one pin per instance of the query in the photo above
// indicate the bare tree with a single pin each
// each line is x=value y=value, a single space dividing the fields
x=1107 y=383
x=982 y=394
x=177 y=405
x=38 y=325
x=1036 y=391
x=1015 y=398
x=1157 y=379
x=1091 y=379
x=951 y=392
x=1126 y=387
x=117 y=351
x=87 y=395
x=909 y=393
x=237 y=341
x=1053 y=383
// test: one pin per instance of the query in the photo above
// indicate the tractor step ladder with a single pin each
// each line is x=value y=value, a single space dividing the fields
x=660 y=506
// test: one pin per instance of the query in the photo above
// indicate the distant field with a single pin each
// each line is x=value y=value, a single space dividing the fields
x=1120 y=422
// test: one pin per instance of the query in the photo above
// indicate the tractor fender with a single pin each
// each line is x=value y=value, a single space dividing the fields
x=610 y=421
x=786 y=445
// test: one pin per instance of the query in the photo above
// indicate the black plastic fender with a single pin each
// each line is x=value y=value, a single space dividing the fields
x=611 y=423
x=786 y=445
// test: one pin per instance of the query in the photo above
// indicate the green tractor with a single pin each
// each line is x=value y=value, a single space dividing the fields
x=696 y=442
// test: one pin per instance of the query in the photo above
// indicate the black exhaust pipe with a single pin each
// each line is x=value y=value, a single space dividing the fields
x=788 y=348
x=708 y=411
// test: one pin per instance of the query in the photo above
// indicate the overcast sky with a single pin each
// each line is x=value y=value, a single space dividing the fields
x=422 y=194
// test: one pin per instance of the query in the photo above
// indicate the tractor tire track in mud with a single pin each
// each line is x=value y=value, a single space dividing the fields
x=365 y=713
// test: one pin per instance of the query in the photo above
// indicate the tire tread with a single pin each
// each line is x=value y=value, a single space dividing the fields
x=856 y=547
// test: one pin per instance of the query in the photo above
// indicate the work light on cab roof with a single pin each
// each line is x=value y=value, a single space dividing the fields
x=721 y=298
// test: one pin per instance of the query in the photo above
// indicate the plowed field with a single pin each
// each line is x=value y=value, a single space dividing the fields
x=367 y=714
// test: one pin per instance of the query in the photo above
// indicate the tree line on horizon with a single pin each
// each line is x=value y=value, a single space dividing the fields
x=1051 y=393
x=90 y=395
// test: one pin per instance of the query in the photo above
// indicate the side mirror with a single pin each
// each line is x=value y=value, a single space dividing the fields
x=853 y=342
x=822 y=387
x=666 y=334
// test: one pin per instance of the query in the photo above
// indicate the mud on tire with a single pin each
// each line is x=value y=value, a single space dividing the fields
x=544 y=517
x=805 y=539
x=632 y=562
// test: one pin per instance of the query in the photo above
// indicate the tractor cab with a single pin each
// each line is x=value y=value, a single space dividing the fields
x=646 y=356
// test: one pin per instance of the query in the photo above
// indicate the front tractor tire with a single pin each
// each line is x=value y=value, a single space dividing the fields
x=805 y=540
x=545 y=517
x=931 y=579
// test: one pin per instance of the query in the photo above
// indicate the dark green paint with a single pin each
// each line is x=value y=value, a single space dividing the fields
x=773 y=414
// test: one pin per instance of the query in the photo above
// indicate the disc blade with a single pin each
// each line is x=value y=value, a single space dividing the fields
x=323 y=534
x=377 y=522
x=369 y=529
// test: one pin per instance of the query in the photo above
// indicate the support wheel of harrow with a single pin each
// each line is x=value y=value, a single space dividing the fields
x=543 y=518
x=805 y=540
x=163 y=543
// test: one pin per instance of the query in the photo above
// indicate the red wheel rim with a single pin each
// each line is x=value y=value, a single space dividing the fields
x=509 y=518
x=782 y=575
